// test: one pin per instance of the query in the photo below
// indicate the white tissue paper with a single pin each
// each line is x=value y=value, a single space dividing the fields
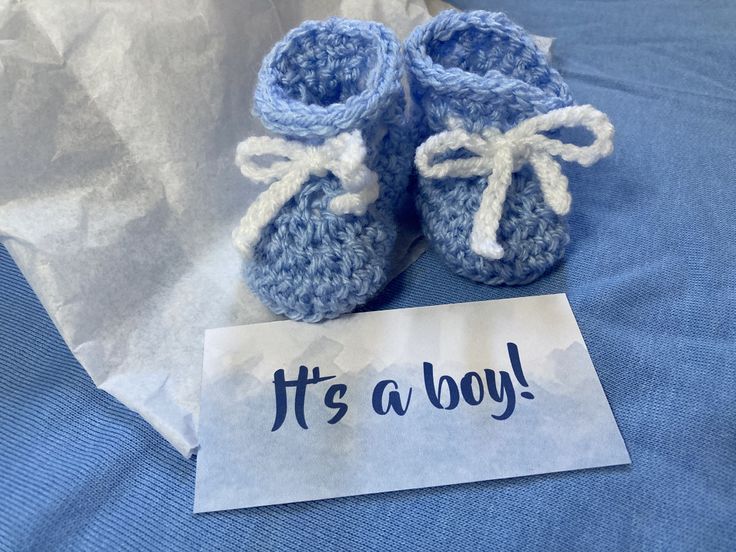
x=118 y=188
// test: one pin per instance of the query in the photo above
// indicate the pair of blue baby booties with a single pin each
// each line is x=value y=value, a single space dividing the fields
x=476 y=68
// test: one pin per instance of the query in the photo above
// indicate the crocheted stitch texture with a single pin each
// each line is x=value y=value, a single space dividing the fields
x=324 y=78
x=473 y=70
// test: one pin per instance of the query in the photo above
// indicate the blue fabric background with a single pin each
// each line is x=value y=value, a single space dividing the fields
x=650 y=275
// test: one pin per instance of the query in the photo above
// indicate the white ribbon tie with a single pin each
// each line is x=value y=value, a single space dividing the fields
x=498 y=155
x=342 y=155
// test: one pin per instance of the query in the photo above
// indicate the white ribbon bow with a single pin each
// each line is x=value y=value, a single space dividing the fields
x=343 y=155
x=498 y=155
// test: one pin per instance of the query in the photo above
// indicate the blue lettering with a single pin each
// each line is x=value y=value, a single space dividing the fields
x=435 y=394
x=338 y=389
x=394 y=399
x=300 y=383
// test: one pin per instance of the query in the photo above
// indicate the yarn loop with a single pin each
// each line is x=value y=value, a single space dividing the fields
x=343 y=155
x=497 y=155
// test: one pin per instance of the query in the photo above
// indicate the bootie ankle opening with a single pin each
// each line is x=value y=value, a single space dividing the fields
x=482 y=68
x=328 y=77
x=490 y=44
x=325 y=66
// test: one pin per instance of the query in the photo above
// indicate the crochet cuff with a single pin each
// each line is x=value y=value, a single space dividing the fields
x=328 y=77
x=481 y=69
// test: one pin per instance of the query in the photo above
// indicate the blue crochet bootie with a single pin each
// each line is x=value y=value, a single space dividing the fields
x=317 y=242
x=491 y=197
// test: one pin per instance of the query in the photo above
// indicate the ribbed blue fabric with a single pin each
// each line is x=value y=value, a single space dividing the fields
x=323 y=78
x=479 y=69
x=650 y=276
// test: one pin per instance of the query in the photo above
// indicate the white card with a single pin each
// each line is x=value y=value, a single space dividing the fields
x=406 y=399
